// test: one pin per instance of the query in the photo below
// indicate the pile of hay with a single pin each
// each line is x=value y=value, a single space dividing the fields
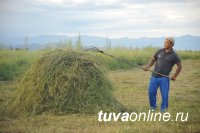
x=65 y=81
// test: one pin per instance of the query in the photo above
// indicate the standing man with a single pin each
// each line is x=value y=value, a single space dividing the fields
x=164 y=60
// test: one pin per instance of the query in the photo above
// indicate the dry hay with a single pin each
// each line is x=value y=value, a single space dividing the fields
x=67 y=82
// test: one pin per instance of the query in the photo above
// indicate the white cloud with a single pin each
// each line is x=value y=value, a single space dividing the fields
x=131 y=18
x=52 y=1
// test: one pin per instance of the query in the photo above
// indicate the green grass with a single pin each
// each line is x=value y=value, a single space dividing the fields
x=135 y=56
x=15 y=63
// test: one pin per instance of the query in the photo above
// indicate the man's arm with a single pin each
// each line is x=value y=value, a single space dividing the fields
x=150 y=64
x=178 y=70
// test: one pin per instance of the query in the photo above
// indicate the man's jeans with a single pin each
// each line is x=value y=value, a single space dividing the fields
x=163 y=84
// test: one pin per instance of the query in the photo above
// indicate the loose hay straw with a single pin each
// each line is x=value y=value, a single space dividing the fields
x=65 y=81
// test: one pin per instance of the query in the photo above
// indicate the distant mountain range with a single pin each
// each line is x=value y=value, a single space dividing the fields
x=186 y=42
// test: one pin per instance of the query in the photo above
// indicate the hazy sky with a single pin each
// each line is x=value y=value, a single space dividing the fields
x=113 y=18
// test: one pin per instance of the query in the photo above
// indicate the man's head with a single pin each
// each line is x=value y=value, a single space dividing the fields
x=169 y=42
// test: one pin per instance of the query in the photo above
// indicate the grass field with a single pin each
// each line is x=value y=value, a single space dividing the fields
x=130 y=85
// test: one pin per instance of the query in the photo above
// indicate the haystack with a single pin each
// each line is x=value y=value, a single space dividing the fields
x=67 y=82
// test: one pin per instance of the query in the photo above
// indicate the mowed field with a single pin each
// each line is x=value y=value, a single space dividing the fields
x=131 y=89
